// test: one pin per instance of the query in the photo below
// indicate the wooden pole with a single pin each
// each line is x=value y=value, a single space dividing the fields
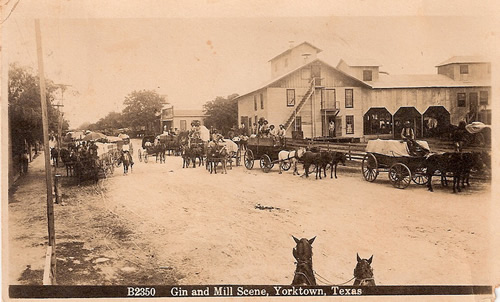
x=45 y=125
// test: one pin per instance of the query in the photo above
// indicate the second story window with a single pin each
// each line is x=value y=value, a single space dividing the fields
x=290 y=97
x=483 y=97
x=464 y=69
x=349 y=101
x=261 y=101
x=460 y=99
x=255 y=102
x=367 y=75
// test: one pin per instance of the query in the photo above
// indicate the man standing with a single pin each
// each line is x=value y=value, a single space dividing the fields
x=331 y=128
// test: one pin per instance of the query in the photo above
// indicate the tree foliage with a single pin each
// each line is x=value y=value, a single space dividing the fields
x=111 y=122
x=142 y=108
x=222 y=113
x=25 y=110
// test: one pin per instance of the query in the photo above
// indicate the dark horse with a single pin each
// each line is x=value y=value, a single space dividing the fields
x=458 y=163
x=363 y=272
x=304 y=274
x=126 y=161
x=331 y=158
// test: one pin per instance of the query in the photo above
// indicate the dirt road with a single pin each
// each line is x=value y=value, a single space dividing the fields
x=189 y=227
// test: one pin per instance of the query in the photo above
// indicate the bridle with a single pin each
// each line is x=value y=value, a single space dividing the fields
x=307 y=262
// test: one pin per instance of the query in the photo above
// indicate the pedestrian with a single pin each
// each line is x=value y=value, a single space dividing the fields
x=24 y=162
x=331 y=128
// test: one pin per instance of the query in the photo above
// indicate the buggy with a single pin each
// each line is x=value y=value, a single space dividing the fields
x=395 y=157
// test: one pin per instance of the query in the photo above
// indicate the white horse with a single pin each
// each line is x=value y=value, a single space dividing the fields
x=292 y=156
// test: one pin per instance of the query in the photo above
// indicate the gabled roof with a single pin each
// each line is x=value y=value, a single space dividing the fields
x=269 y=83
x=422 y=81
x=290 y=49
x=360 y=62
x=463 y=60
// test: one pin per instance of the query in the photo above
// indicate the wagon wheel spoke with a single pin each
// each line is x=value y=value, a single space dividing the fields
x=400 y=175
x=248 y=159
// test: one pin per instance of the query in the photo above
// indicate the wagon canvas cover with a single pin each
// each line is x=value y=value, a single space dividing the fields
x=391 y=147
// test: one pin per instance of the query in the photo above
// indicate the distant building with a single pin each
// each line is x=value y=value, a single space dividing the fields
x=180 y=118
x=308 y=96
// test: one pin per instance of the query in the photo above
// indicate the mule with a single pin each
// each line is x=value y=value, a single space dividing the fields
x=363 y=272
x=216 y=154
x=309 y=158
x=304 y=274
x=333 y=158
x=457 y=163
x=292 y=156
x=127 y=162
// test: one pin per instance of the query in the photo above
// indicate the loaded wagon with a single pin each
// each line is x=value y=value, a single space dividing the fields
x=266 y=150
x=394 y=157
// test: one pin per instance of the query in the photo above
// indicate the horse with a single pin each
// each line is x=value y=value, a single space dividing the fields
x=196 y=152
x=54 y=156
x=215 y=154
x=310 y=158
x=458 y=163
x=292 y=156
x=363 y=272
x=126 y=161
x=304 y=274
x=332 y=158
x=186 y=156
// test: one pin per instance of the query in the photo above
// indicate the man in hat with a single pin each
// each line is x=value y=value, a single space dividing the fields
x=281 y=134
x=407 y=131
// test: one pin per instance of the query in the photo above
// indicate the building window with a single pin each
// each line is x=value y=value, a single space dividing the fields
x=483 y=97
x=255 y=102
x=261 y=101
x=367 y=75
x=297 y=124
x=349 y=102
x=349 y=124
x=464 y=69
x=290 y=97
x=329 y=99
x=460 y=99
x=183 y=125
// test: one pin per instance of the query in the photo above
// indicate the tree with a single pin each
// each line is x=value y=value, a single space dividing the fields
x=25 y=110
x=222 y=113
x=142 y=108
x=111 y=122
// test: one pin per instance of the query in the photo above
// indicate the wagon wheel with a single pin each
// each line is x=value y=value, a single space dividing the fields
x=420 y=177
x=285 y=165
x=369 y=167
x=248 y=159
x=265 y=163
x=139 y=154
x=145 y=156
x=400 y=175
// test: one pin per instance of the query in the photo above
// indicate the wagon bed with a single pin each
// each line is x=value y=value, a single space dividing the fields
x=266 y=150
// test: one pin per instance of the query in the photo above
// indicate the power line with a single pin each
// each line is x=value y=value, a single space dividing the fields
x=12 y=10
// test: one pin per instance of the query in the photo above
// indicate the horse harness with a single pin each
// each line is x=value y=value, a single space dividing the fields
x=308 y=261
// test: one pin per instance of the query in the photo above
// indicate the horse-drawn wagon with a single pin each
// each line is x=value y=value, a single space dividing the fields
x=395 y=157
x=266 y=150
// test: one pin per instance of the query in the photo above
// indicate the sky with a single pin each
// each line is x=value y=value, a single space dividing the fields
x=192 y=51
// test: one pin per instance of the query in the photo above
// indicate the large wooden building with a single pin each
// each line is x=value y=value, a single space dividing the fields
x=306 y=94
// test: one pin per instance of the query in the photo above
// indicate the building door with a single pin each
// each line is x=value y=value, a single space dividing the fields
x=338 y=126
x=327 y=119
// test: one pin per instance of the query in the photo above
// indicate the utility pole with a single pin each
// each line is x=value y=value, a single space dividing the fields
x=50 y=278
x=60 y=119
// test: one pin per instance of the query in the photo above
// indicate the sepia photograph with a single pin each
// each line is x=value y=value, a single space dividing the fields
x=231 y=149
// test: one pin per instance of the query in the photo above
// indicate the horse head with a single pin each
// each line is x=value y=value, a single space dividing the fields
x=363 y=272
x=304 y=274
x=343 y=157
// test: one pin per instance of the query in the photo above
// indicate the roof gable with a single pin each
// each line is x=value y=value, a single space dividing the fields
x=290 y=49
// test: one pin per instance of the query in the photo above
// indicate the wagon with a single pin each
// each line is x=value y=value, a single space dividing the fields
x=394 y=157
x=266 y=151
